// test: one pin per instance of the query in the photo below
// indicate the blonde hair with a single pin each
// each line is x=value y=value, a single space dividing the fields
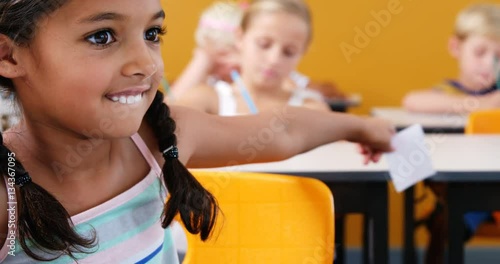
x=218 y=24
x=479 y=19
x=295 y=7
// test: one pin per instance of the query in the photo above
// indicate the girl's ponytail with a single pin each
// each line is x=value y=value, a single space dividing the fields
x=197 y=207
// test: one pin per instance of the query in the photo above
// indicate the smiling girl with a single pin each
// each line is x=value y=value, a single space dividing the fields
x=88 y=168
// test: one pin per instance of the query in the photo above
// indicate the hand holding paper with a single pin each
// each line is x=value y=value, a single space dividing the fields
x=410 y=163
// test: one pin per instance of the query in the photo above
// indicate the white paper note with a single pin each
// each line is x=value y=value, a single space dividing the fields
x=410 y=162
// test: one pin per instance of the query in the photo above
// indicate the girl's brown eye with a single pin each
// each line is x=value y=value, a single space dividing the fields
x=101 y=38
x=154 y=34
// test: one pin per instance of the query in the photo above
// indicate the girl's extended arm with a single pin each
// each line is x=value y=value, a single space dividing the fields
x=213 y=141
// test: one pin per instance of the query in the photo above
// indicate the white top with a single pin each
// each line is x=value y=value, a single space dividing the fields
x=227 y=100
x=449 y=153
x=402 y=118
x=228 y=105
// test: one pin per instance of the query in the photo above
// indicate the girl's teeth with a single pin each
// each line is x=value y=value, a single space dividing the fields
x=127 y=99
x=130 y=99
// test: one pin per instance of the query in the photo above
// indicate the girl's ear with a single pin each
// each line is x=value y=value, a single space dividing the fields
x=9 y=67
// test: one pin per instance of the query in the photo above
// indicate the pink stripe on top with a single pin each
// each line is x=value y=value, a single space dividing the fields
x=150 y=158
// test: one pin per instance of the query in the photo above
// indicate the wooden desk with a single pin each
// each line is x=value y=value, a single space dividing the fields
x=431 y=123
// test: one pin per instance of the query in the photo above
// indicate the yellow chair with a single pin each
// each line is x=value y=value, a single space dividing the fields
x=483 y=122
x=266 y=218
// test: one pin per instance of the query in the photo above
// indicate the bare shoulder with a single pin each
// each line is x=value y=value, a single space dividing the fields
x=187 y=121
x=202 y=97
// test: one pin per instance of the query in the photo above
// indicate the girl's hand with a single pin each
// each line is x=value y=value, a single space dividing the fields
x=375 y=139
x=369 y=155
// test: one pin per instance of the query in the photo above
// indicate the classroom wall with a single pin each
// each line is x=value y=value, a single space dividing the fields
x=380 y=49
x=355 y=44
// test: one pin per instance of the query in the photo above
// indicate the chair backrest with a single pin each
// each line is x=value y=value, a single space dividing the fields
x=484 y=122
x=266 y=218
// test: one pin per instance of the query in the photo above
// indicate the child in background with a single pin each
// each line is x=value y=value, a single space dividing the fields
x=475 y=44
x=97 y=151
x=274 y=36
x=215 y=55
x=8 y=115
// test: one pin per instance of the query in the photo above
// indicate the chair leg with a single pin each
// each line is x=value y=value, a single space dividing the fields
x=367 y=235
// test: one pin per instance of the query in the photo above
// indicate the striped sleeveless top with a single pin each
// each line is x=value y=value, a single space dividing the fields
x=127 y=227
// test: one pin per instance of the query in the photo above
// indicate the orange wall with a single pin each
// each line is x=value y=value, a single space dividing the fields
x=407 y=52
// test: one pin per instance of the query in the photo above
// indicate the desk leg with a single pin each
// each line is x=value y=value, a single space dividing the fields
x=455 y=225
x=376 y=225
x=339 y=239
x=409 y=256
x=367 y=239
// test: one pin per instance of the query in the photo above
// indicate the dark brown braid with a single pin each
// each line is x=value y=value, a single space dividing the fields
x=197 y=207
